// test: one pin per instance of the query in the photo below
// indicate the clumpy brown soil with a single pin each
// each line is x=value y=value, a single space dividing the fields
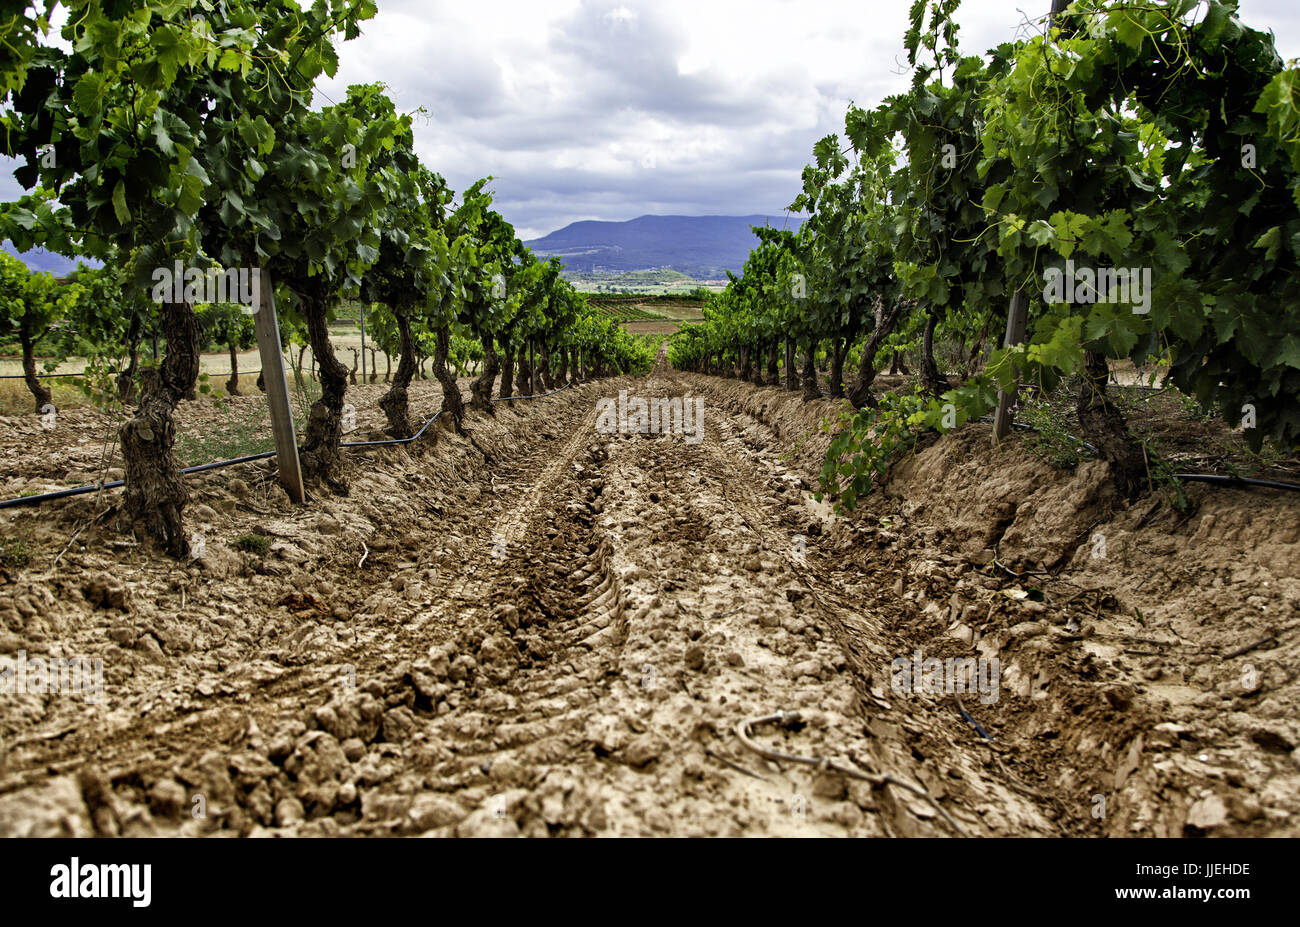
x=540 y=629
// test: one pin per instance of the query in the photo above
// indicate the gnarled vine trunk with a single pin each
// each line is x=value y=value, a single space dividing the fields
x=507 y=368
x=791 y=377
x=524 y=376
x=40 y=393
x=452 y=403
x=810 y=388
x=544 y=363
x=836 y=380
x=232 y=385
x=481 y=389
x=395 y=402
x=773 y=376
x=562 y=375
x=155 y=487
x=1103 y=425
x=861 y=395
x=934 y=382
x=322 y=457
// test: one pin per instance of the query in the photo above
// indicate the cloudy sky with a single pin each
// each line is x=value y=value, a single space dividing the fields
x=611 y=109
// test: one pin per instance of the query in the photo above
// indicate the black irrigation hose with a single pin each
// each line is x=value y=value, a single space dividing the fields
x=1213 y=479
x=219 y=464
x=1219 y=479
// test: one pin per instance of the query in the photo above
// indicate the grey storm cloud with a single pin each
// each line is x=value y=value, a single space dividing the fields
x=630 y=63
x=611 y=109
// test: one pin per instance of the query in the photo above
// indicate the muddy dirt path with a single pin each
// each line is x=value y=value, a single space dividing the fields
x=573 y=655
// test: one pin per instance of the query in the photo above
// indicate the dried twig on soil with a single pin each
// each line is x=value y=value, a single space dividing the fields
x=1008 y=569
x=786 y=718
x=77 y=534
x=1242 y=651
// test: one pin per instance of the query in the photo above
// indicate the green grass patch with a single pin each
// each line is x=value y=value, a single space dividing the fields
x=14 y=552
x=257 y=544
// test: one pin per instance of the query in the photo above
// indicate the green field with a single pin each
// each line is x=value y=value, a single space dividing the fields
x=641 y=282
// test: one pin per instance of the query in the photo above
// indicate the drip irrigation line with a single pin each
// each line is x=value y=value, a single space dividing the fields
x=1213 y=479
x=1219 y=479
x=973 y=723
x=219 y=464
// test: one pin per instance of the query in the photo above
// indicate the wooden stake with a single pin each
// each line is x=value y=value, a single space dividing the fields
x=277 y=392
x=1017 y=314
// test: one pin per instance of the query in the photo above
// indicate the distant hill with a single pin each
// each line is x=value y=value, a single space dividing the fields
x=703 y=247
x=40 y=260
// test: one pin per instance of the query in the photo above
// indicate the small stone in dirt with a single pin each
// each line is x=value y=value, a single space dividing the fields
x=1244 y=809
x=52 y=809
x=811 y=667
x=1208 y=813
x=486 y=823
x=433 y=811
x=645 y=749
x=399 y=725
x=695 y=658
x=508 y=615
x=104 y=591
x=328 y=525
x=288 y=811
x=353 y=749
x=830 y=786
x=167 y=797
x=754 y=564
x=733 y=658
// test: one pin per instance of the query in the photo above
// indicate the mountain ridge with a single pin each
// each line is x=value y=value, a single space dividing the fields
x=703 y=247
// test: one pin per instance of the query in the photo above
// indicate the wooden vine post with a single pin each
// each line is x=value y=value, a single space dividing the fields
x=277 y=391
